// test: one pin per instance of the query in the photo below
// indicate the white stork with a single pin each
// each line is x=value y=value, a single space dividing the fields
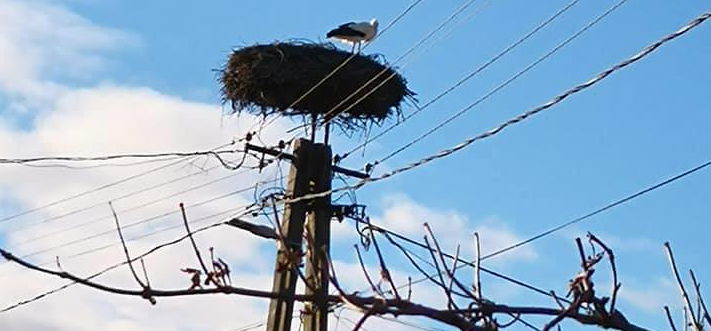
x=355 y=33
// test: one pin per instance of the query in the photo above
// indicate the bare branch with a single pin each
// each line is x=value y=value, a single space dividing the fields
x=365 y=272
x=697 y=287
x=125 y=249
x=477 y=267
x=378 y=306
x=147 y=288
x=361 y=321
x=611 y=256
x=684 y=294
x=192 y=241
x=450 y=300
x=669 y=318
x=384 y=271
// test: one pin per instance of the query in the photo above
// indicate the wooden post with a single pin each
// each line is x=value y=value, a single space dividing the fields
x=318 y=227
x=292 y=228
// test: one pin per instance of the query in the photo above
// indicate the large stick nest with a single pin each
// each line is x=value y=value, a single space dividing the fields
x=268 y=79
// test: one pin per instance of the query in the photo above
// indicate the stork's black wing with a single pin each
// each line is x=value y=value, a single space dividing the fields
x=345 y=30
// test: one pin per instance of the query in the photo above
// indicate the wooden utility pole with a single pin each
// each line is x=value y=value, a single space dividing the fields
x=292 y=228
x=318 y=229
x=310 y=172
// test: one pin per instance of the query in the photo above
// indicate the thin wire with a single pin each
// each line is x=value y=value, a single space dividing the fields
x=97 y=189
x=108 y=269
x=599 y=210
x=142 y=205
x=465 y=263
x=149 y=234
x=114 y=157
x=504 y=84
x=96 y=166
x=543 y=234
x=515 y=120
x=103 y=203
x=395 y=320
x=328 y=118
x=143 y=221
x=256 y=325
x=469 y=76
x=404 y=65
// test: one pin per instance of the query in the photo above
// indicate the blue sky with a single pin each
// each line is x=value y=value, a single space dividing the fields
x=636 y=128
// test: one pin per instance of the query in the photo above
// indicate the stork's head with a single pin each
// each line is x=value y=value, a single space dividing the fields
x=374 y=23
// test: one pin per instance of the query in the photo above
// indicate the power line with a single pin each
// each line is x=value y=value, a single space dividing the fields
x=467 y=77
x=515 y=120
x=504 y=84
x=158 y=231
x=411 y=241
x=543 y=234
x=143 y=221
x=142 y=205
x=97 y=189
x=600 y=210
x=121 y=197
x=115 y=156
x=417 y=45
x=103 y=165
x=450 y=256
x=112 y=267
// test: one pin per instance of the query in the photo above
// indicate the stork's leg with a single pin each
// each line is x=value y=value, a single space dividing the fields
x=353 y=49
x=360 y=43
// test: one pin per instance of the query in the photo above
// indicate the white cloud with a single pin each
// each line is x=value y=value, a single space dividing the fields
x=113 y=120
x=650 y=297
x=41 y=41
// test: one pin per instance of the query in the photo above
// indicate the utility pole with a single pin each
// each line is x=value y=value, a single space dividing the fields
x=310 y=172
x=292 y=229
x=318 y=229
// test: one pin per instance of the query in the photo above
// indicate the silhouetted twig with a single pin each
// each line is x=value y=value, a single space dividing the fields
x=687 y=302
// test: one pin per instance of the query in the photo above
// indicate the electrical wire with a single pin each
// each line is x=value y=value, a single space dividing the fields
x=136 y=207
x=517 y=119
x=600 y=210
x=103 y=165
x=467 y=77
x=99 y=188
x=139 y=222
x=115 y=156
x=504 y=84
x=536 y=237
x=121 y=197
x=154 y=232
x=112 y=267
x=327 y=116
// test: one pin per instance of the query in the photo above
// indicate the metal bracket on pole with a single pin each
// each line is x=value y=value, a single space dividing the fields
x=287 y=156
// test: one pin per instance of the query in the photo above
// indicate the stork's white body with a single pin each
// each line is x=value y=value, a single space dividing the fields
x=355 y=33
